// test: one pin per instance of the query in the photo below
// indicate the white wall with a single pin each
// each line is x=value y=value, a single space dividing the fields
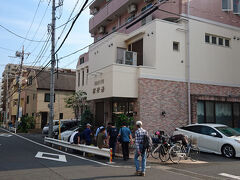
x=212 y=63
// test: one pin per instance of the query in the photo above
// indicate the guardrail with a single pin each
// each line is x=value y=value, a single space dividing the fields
x=12 y=129
x=81 y=147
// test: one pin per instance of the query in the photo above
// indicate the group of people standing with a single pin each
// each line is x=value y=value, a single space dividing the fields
x=110 y=136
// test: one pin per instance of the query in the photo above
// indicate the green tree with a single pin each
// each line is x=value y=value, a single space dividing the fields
x=77 y=102
x=124 y=119
x=86 y=117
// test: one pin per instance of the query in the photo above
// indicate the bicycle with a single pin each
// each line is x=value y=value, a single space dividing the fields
x=160 y=147
x=179 y=151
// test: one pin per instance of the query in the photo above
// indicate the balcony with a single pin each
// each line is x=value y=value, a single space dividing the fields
x=108 y=12
x=126 y=57
x=111 y=80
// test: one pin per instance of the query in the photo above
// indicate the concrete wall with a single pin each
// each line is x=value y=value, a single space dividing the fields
x=214 y=64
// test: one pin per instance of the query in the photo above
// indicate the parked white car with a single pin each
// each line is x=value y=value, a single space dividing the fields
x=213 y=138
x=66 y=134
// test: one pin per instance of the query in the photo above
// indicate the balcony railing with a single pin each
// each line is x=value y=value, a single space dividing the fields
x=126 y=57
x=108 y=10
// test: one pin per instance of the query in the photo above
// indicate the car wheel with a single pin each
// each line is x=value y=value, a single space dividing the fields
x=228 y=151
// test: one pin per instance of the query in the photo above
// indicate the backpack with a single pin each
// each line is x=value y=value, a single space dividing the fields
x=147 y=142
x=113 y=132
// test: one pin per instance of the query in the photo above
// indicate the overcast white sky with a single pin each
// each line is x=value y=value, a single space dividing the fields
x=17 y=15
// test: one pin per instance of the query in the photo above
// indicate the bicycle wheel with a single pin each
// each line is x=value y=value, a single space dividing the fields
x=155 y=152
x=194 y=153
x=174 y=153
x=164 y=153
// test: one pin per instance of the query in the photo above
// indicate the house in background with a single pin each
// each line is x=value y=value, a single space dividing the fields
x=37 y=94
x=167 y=63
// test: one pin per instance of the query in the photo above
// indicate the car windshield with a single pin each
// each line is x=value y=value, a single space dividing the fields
x=73 y=128
x=227 y=131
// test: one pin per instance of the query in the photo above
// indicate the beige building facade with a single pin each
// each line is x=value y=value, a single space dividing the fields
x=169 y=71
x=37 y=95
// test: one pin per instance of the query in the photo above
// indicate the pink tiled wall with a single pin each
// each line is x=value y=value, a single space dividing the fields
x=156 y=96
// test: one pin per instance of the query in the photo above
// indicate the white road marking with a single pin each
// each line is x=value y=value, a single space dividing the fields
x=61 y=158
x=229 y=176
x=5 y=135
x=104 y=164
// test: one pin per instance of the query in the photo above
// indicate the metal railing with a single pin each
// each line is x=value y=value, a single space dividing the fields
x=80 y=147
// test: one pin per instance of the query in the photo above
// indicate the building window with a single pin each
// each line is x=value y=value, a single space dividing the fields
x=27 y=99
x=227 y=113
x=87 y=76
x=47 y=97
x=81 y=60
x=83 y=78
x=176 y=46
x=29 y=81
x=220 y=41
x=207 y=38
x=78 y=79
x=148 y=6
x=226 y=5
x=214 y=40
x=217 y=40
x=227 y=42
x=236 y=6
x=60 y=115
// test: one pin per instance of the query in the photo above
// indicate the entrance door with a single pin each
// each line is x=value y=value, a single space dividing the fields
x=44 y=119
x=99 y=114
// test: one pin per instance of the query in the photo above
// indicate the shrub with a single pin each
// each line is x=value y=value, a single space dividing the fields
x=26 y=124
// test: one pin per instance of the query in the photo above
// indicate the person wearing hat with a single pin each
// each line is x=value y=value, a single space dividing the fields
x=87 y=133
x=139 y=135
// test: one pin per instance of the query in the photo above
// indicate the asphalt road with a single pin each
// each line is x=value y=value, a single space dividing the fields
x=18 y=161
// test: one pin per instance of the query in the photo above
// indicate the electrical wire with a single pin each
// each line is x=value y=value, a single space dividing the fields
x=8 y=30
x=85 y=3
x=39 y=25
x=34 y=16
x=67 y=21
x=73 y=17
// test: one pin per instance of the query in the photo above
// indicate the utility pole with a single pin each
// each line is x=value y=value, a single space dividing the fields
x=51 y=105
x=19 y=83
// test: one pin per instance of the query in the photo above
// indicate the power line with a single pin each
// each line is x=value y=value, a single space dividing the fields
x=74 y=16
x=32 y=21
x=39 y=24
x=68 y=20
x=6 y=49
x=86 y=1
x=32 y=40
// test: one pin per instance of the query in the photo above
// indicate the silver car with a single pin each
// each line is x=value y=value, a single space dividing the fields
x=213 y=138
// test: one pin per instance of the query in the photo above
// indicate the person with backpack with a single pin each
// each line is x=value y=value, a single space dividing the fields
x=112 y=134
x=142 y=142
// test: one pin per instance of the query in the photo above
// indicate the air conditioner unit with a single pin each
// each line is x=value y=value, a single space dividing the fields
x=101 y=30
x=148 y=1
x=94 y=11
x=130 y=58
x=132 y=8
